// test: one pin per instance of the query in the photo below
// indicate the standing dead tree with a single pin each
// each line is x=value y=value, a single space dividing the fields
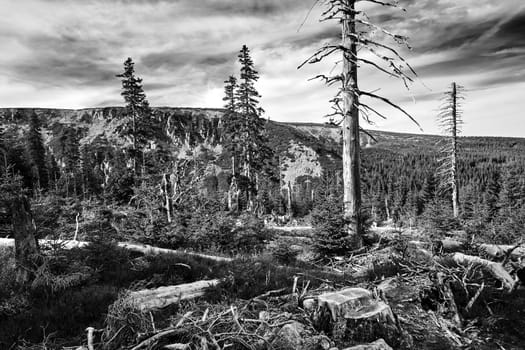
x=450 y=120
x=359 y=47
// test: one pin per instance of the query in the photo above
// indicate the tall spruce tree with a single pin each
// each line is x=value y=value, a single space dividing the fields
x=245 y=127
x=37 y=153
x=232 y=122
x=233 y=139
x=138 y=111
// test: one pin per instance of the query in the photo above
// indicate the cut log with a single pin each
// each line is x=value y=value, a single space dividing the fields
x=379 y=344
x=353 y=314
x=150 y=299
x=493 y=268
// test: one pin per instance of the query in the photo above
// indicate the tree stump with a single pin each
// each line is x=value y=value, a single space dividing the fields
x=353 y=316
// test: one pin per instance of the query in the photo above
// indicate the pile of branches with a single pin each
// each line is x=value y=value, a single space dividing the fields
x=253 y=324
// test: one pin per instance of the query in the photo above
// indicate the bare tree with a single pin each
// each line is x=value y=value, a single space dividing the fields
x=358 y=34
x=450 y=120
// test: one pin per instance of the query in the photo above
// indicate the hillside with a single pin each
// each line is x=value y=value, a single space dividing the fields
x=396 y=166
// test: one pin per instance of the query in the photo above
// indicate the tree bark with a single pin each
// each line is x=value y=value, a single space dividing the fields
x=26 y=245
x=351 y=160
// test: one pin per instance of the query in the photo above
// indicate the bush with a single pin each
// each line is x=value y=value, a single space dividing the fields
x=438 y=218
x=330 y=235
x=283 y=252
x=249 y=277
x=220 y=232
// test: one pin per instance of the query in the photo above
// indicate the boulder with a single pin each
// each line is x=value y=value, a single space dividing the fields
x=290 y=336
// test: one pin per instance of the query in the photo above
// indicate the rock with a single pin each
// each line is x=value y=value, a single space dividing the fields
x=418 y=251
x=379 y=344
x=264 y=315
x=289 y=336
x=387 y=287
x=309 y=305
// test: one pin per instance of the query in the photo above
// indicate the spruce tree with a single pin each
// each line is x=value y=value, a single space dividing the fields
x=232 y=122
x=230 y=89
x=138 y=112
x=244 y=127
x=37 y=153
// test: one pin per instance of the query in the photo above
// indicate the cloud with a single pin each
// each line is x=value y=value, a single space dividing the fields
x=66 y=53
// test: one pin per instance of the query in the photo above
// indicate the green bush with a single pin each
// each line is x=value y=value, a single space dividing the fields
x=283 y=251
x=438 y=218
x=330 y=235
x=250 y=277
x=223 y=233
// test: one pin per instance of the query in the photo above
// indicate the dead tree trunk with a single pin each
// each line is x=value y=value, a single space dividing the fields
x=348 y=103
x=26 y=245
x=351 y=160
x=450 y=120
x=455 y=196
x=166 y=184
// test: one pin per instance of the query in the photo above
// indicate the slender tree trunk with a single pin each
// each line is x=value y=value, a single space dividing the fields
x=26 y=245
x=231 y=189
x=167 y=193
x=289 y=200
x=351 y=160
x=455 y=194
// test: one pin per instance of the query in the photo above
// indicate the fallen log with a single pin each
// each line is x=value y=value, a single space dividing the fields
x=135 y=247
x=450 y=245
x=496 y=251
x=150 y=299
x=495 y=269
x=379 y=344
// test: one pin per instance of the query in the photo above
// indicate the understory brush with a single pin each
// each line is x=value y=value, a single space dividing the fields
x=250 y=277
x=216 y=232
x=72 y=289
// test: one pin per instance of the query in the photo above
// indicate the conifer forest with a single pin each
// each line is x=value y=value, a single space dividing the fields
x=133 y=223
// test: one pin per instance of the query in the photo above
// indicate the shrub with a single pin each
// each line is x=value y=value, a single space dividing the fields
x=220 y=232
x=283 y=251
x=438 y=218
x=330 y=236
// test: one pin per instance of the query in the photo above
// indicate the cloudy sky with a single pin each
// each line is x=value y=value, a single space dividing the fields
x=65 y=54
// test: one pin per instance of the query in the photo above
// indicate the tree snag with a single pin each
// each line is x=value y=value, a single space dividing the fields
x=24 y=230
x=347 y=103
x=450 y=121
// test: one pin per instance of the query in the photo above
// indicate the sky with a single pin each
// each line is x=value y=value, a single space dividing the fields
x=66 y=53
